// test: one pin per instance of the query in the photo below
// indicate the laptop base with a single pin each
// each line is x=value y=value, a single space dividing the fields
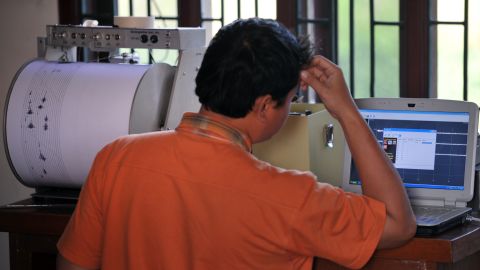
x=437 y=229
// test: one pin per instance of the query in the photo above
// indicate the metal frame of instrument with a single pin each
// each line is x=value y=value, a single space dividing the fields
x=62 y=40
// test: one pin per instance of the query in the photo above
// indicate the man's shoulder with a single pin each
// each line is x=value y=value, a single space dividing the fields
x=135 y=143
x=285 y=186
x=270 y=170
x=140 y=139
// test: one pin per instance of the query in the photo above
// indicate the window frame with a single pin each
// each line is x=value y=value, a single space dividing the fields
x=417 y=34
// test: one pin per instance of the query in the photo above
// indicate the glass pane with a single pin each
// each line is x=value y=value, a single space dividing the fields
x=230 y=11
x=164 y=8
x=450 y=10
x=267 y=9
x=211 y=28
x=310 y=10
x=450 y=62
x=387 y=61
x=166 y=23
x=247 y=9
x=474 y=52
x=123 y=8
x=140 y=8
x=142 y=55
x=212 y=9
x=165 y=56
x=344 y=38
x=362 y=48
x=386 y=10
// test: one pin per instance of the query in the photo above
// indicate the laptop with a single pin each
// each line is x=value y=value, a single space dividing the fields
x=432 y=144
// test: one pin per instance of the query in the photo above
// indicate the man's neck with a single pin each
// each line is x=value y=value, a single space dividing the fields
x=242 y=124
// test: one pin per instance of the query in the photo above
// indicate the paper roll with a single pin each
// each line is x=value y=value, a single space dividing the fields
x=134 y=22
x=60 y=115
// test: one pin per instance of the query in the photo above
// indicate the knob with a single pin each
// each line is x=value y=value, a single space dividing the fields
x=154 y=38
x=144 y=38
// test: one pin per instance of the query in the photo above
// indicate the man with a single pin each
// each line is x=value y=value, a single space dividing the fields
x=196 y=198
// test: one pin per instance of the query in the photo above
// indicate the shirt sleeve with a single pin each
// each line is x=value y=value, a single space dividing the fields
x=339 y=226
x=81 y=242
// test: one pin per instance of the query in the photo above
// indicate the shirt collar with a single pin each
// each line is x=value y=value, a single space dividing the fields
x=209 y=127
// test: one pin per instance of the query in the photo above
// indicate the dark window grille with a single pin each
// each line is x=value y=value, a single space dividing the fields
x=323 y=23
x=433 y=23
x=321 y=26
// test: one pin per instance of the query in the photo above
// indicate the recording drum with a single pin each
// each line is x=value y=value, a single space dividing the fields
x=59 y=115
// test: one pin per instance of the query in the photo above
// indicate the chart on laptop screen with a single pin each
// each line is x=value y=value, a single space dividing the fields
x=427 y=148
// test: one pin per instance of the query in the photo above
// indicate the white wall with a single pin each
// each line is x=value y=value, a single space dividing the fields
x=21 y=21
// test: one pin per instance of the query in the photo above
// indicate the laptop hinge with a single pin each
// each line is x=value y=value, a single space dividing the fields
x=460 y=204
x=455 y=203
x=449 y=203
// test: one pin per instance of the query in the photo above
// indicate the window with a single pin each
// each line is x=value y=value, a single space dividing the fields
x=164 y=11
x=456 y=26
x=387 y=48
x=393 y=48
x=166 y=16
x=216 y=13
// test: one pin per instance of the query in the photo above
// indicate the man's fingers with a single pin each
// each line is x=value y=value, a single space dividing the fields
x=303 y=85
x=315 y=74
x=322 y=61
x=311 y=79
x=307 y=77
x=323 y=64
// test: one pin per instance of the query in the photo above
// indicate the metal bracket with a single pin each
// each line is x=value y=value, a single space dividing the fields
x=328 y=131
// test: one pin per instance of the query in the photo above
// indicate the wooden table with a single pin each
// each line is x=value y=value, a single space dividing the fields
x=33 y=233
x=458 y=248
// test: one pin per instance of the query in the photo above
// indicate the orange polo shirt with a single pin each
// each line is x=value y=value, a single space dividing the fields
x=196 y=198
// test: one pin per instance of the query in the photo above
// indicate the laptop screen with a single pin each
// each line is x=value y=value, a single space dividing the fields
x=428 y=148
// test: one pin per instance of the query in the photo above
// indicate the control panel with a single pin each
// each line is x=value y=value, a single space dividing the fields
x=105 y=38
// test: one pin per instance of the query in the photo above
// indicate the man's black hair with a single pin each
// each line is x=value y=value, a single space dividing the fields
x=248 y=59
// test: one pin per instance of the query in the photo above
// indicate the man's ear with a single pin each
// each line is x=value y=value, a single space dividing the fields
x=262 y=106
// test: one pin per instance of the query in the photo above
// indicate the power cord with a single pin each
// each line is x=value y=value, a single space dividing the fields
x=473 y=219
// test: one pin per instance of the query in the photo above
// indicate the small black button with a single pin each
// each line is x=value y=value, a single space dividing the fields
x=154 y=38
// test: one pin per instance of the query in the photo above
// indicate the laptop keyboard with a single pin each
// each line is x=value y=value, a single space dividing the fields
x=431 y=214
